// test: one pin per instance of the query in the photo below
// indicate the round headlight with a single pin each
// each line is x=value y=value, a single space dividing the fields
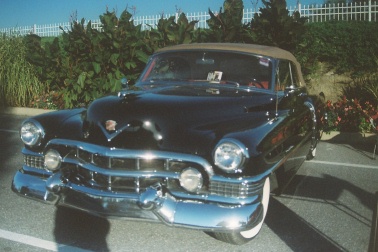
x=52 y=160
x=31 y=133
x=191 y=179
x=230 y=155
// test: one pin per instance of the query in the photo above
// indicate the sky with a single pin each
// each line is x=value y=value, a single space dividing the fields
x=17 y=13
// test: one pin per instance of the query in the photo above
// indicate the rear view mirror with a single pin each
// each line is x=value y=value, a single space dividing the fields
x=205 y=61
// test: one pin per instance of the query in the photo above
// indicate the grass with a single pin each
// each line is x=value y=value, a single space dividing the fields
x=18 y=79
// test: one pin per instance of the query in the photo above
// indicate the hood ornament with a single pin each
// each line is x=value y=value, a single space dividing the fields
x=110 y=125
x=111 y=131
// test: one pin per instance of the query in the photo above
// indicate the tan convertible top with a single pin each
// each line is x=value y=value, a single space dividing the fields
x=268 y=51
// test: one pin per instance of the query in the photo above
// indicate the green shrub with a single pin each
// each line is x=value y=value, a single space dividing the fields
x=226 y=25
x=48 y=100
x=169 y=32
x=370 y=85
x=86 y=63
x=350 y=116
x=349 y=47
x=364 y=88
x=275 y=26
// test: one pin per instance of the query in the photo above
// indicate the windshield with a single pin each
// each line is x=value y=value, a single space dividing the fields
x=210 y=67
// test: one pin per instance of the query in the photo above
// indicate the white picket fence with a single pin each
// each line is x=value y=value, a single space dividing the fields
x=366 y=11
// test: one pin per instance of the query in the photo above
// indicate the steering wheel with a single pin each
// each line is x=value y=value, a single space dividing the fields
x=255 y=83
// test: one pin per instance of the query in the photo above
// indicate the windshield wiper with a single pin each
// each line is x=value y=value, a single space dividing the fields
x=167 y=79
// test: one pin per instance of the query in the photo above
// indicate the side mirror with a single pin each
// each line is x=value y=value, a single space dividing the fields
x=290 y=89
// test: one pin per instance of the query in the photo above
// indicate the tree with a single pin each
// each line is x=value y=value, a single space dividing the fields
x=226 y=26
x=275 y=26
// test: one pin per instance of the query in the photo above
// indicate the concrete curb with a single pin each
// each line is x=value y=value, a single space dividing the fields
x=349 y=138
x=23 y=111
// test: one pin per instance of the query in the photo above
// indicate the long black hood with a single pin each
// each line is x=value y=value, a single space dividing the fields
x=188 y=119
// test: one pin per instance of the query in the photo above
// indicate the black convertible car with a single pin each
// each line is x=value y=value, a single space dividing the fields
x=202 y=139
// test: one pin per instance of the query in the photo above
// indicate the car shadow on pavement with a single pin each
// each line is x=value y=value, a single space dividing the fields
x=328 y=188
x=75 y=228
x=297 y=232
x=78 y=229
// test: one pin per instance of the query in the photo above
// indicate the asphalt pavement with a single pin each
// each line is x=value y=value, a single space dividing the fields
x=327 y=207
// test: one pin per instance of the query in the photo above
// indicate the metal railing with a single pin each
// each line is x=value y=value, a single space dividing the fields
x=366 y=11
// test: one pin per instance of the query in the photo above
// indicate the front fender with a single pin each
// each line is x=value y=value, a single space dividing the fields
x=59 y=124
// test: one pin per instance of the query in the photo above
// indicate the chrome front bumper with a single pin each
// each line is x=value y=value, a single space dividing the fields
x=154 y=204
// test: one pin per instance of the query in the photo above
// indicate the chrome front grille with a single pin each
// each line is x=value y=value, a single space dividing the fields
x=132 y=171
x=124 y=170
x=143 y=163
x=129 y=182
x=34 y=161
x=242 y=189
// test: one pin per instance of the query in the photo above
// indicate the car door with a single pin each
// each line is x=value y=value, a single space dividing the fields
x=297 y=114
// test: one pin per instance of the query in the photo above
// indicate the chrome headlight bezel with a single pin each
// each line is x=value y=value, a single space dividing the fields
x=230 y=155
x=32 y=133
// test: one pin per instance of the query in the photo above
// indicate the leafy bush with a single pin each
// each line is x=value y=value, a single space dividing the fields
x=357 y=111
x=350 y=116
x=349 y=47
x=49 y=100
x=87 y=63
x=169 y=32
x=275 y=26
x=364 y=88
x=226 y=25
x=370 y=85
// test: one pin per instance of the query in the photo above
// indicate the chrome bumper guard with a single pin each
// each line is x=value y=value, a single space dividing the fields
x=154 y=204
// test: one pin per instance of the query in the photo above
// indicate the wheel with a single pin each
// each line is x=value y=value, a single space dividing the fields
x=239 y=238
